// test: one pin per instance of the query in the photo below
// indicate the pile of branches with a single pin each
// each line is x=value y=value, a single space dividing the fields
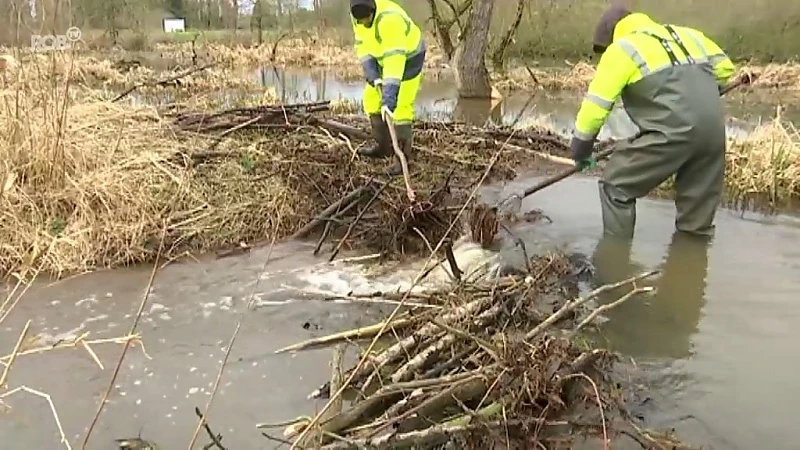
x=352 y=201
x=489 y=364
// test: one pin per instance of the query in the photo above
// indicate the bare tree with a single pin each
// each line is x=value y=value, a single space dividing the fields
x=443 y=26
x=472 y=77
x=499 y=53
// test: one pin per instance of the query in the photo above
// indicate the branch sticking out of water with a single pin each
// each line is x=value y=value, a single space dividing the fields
x=215 y=438
x=570 y=306
x=80 y=340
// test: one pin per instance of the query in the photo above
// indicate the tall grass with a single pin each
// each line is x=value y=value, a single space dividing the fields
x=762 y=170
x=87 y=183
x=765 y=166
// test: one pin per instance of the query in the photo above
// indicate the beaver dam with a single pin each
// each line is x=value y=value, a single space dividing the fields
x=111 y=180
x=494 y=365
x=497 y=362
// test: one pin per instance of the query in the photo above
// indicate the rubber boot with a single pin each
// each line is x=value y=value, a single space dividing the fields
x=383 y=144
x=404 y=140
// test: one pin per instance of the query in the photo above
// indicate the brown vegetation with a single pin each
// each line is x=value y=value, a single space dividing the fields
x=88 y=183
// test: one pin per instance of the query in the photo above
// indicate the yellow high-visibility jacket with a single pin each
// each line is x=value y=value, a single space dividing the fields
x=392 y=49
x=638 y=56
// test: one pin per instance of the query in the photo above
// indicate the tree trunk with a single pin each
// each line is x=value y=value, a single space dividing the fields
x=478 y=111
x=472 y=78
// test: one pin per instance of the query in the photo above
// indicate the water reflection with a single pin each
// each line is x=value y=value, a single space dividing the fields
x=661 y=325
x=437 y=101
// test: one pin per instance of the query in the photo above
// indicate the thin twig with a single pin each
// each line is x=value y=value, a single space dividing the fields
x=14 y=353
x=202 y=416
x=215 y=439
x=5 y=309
x=570 y=306
x=80 y=340
x=122 y=354
x=612 y=305
x=250 y=303
x=162 y=81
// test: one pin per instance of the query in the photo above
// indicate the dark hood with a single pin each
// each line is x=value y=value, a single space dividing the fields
x=604 y=33
x=356 y=5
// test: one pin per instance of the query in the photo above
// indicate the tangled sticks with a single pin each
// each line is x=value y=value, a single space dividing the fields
x=302 y=167
x=490 y=364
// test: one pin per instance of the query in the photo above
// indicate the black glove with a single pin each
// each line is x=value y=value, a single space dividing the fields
x=581 y=152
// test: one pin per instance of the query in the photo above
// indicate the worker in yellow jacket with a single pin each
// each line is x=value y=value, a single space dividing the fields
x=669 y=79
x=391 y=49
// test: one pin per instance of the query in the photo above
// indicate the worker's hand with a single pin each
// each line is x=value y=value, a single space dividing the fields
x=389 y=96
x=386 y=114
x=587 y=164
x=581 y=151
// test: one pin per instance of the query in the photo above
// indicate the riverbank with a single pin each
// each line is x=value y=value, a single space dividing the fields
x=89 y=183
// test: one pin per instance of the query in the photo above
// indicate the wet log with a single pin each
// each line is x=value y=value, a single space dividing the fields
x=435 y=435
x=422 y=359
x=431 y=410
x=403 y=347
x=347 y=335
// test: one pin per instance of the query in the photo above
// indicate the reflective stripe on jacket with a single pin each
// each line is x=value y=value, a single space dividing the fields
x=641 y=49
x=392 y=48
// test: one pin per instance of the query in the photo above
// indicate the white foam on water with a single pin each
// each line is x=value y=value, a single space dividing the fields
x=349 y=280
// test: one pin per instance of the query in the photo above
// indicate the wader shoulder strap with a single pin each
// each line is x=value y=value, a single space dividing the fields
x=678 y=41
x=665 y=44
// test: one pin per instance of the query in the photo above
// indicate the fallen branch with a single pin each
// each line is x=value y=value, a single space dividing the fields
x=162 y=81
x=80 y=340
x=429 y=437
x=600 y=310
x=571 y=306
x=345 y=201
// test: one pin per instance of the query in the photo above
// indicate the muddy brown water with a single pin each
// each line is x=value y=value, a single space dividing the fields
x=716 y=349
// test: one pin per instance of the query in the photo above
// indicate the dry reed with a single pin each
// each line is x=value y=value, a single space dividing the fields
x=765 y=165
x=762 y=169
x=113 y=72
x=89 y=183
